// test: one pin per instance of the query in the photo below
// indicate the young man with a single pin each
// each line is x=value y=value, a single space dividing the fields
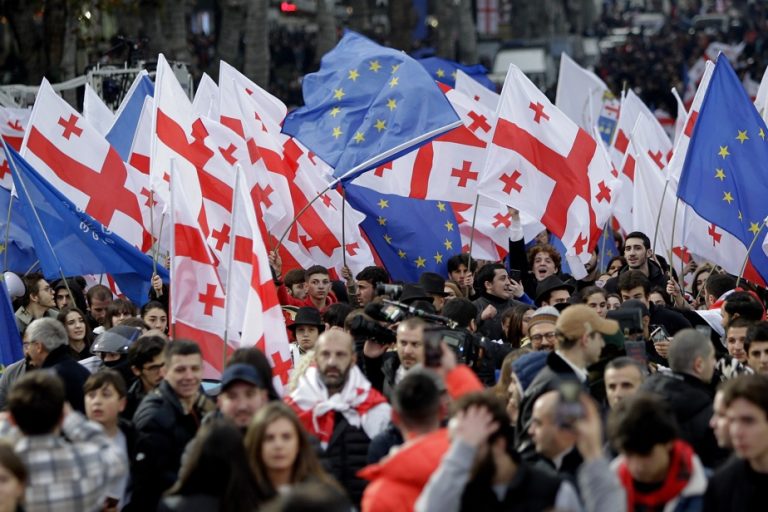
x=99 y=298
x=296 y=283
x=552 y=290
x=658 y=470
x=633 y=284
x=104 y=401
x=736 y=339
x=623 y=377
x=756 y=347
x=461 y=270
x=242 y=394
x=638 y=253
x=145 y=357
x=319 y=294
x=306 y=327
x=37 y=302
x=495 y=295
x=740 y=484
x=367 y=281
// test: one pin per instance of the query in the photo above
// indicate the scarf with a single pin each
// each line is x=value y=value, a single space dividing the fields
x=360 y=404
x=678 y=475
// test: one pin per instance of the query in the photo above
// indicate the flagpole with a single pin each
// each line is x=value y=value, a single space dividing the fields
x=230 y=262
x=343 y=231
x=303 y=209
x=472 y=232
x=749 y=249
x=680 y=277
x=152 y=229
x=171 y=299
x=37 y=218
x=658 y=217
x=7 y=232
x=602 y=247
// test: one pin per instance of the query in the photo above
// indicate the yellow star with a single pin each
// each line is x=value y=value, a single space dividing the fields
x=380 y=125
x=375 y=66
x=727 y=197
x=440 y=73
x=420 y=262
x=335 y=111
x=448 y=225
x=353 y=74
x=441 y=206
x=338 y=93
x=754 y=227
x=382 y=221
x=383 y=203
x=453 y=75
x=723 y=152
x=2 y=248
x=401 y=253
x=393 y=82
x=742 y=136
x=438 y=258
x=388 y=239
x=337 y=132
x=391 y=104
x=740 y=217
x=395 y=67
x=720 y=174
x=448 y=245
x=359 y=137
x=761 y=133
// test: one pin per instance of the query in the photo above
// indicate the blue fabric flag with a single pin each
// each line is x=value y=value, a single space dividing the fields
x=607 y=248
x=121 y=134
x=444 y=71
x=78 y=243
x=411 y=236
x=723 y=178
x=367 y=105
x=20 y=252
x=10 y=341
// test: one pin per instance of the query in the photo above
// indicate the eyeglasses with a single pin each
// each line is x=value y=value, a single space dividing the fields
x=536 y=338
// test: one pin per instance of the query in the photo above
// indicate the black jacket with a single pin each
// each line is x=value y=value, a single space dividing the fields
x=491 y=328
x=736 y=486
x=531 y=489
x=345 y=455
x=383 y=443
x=162 y=432
x=71 y=372
x=691 y=400
x=656 y=276
x=672 y=320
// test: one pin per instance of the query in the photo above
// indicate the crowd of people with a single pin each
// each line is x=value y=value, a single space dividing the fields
x=507 y=386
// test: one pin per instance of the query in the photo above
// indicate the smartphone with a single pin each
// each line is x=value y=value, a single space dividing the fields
x=659 y=333
x=514 y=274
x=569 y=407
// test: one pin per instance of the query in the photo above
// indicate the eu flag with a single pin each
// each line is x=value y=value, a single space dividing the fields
x=20 y=251
x=73 y=242
x=411 y=236
x=10 y=341
x=724 y=176
x=121 y=134
x=444 y=71
x=367 y=105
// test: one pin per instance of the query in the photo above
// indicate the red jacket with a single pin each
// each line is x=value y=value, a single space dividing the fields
x=286 y=299
x=397 y=480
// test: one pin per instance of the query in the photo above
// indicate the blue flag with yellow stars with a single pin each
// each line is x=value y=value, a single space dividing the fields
x=725 y=174
x=444 y=71
x=411 y=236
x=367 y=105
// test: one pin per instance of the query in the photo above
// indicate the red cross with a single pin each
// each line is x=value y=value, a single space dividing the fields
x=352 y=248
x=691 y=122
x=579 y=244
x=505 y=220
x=327 y=201
x=261 y=195
x=629 y=168
x=4 y=169
x=604 y=194
x=657 y=158
x=221 y=236
x=538 y=110
x=308 y=242
x=105 y=188
x=682 y=253
x=464 y=174
x=622 y=142
x=510 y=182
x=228 y=154
x=210 y=300
x=281 y=368
x=478 y=121
x=146 y=193
x=714 y=234
x=15 y=125
x=70 y=126
x=380 y=169
x=614 y=172
x=568 y=173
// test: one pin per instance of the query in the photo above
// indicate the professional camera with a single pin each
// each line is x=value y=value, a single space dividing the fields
x=467 y=346
x=361 y=327
x=393 y=291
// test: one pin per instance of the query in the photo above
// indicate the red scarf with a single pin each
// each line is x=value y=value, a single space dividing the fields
x=678 y=475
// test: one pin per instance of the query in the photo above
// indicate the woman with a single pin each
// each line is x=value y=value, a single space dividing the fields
x=452 y=291
x=13 y=480
x=215 y=476
x=155 y=316
x=78 y=332
x=614 y=301
x=279 y=451
x=700 y=277
x=596 y=298
x=516 y=329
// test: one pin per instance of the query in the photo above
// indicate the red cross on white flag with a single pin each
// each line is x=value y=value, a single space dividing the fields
x=13 y=123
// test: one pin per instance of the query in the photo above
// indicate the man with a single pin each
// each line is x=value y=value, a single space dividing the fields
x=37 y=302
x=461 y=269
x=736 y=339
x=367 y=281
x=145 y=358
x=409 y=350
x=14 y=372
x=337 y=405
x=99 y=298
x=49 y=348
x=741 y=304
x=319 y=295
x=658 y=469
x=541 y=328
x=434 y=285
x=740 y=483
x=756 y=347
x=296 y=283
x=687 y=389
x=623 y=377
x=552 y=290
x=579 y=342
x=719 y=422
x=69 y=472
x=489 y=356
x=242 y=394
x=555 y=443
x=306 y=327
x=716 y=289
x=166 y=420
x=633 y=284
x=495 y=294
x=638 y=253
